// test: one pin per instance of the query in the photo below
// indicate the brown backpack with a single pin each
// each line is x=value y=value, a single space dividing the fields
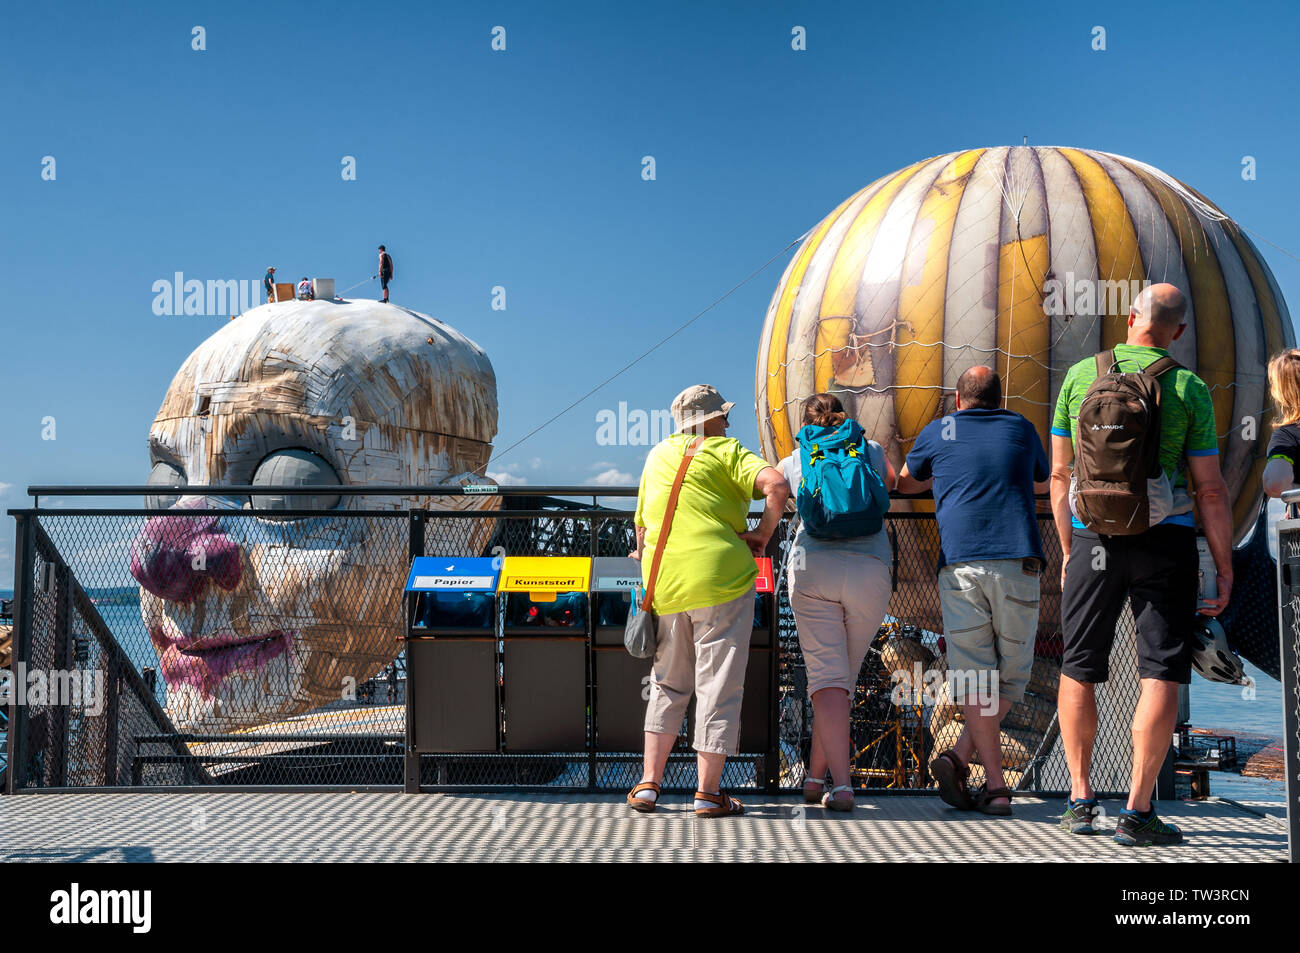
x=1119 y=485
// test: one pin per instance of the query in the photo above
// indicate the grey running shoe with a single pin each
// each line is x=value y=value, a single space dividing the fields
x=1132 y=831
x=1079 y=816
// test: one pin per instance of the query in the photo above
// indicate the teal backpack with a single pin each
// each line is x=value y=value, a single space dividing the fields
x=840 y=495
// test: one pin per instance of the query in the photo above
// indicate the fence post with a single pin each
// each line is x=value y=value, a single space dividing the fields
x=112 y=686
x=1288 y=580
x=24 y=569
x=411 y=758
x=60 y=714
x=594 y=528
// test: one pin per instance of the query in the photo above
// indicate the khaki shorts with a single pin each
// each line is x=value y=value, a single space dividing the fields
x=990 y=622
x=839 y=601
x=702 y=652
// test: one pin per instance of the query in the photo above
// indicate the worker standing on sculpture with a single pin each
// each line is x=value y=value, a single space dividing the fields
x=385 y=271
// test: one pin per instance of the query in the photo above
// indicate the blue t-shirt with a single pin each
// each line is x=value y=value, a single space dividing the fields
x=984 y=464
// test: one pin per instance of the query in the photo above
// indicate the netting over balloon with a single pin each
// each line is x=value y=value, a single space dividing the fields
x=1025 y=259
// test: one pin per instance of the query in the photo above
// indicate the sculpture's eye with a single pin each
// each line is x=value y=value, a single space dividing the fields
x=294 y=468
x=164 y=474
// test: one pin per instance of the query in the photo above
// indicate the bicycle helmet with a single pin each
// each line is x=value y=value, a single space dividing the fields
x=1211 y=655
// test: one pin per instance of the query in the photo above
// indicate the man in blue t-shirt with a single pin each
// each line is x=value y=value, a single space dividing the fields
x=984 y=465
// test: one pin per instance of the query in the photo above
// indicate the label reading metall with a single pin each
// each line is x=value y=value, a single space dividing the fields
x=617 y=582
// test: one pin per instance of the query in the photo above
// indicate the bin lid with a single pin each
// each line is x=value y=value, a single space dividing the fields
x=544 y=577
x=455 y=574
x=615 y=574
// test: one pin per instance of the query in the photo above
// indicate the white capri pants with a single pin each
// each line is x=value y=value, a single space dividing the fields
x=839 y=600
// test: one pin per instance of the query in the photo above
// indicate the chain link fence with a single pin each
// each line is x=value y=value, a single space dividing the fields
x=229 y=648
x=902 y=713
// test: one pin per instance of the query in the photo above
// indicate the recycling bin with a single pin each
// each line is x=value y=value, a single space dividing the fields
x=451 y=656
x=544 y=652
x=621 y=680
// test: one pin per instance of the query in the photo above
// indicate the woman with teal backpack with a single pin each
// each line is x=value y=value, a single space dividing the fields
x=837 y=571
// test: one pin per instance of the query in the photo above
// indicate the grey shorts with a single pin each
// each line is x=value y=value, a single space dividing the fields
x=990 y=622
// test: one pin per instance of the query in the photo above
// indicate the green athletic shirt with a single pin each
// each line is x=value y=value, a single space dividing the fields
x=705 y=563
x=1186 y=416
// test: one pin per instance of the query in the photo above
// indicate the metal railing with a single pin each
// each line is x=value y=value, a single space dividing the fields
x=318 y=613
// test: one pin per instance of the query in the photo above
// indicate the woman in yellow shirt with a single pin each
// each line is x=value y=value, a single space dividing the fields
x=704 y=593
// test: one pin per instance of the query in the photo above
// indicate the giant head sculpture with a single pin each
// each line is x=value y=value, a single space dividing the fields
x=256 y=614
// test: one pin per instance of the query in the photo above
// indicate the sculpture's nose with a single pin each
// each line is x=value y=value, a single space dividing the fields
x=173 y=556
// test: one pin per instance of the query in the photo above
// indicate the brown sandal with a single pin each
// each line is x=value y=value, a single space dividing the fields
x=639 y=803
x=984 y=798
x=952 y=775
x=726 y=805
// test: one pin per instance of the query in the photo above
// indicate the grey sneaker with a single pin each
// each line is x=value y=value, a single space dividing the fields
x=1079 y=816
x=1132 y=831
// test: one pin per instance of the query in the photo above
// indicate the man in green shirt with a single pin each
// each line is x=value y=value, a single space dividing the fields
x=1156 y=570
x=704 y=592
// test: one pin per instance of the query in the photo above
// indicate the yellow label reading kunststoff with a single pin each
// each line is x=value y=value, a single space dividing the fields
x=545 y=574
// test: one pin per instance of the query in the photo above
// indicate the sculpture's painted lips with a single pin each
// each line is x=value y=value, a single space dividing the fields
x=205 y=661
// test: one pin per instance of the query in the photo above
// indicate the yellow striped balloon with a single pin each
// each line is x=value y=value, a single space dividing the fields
x=1025 y=259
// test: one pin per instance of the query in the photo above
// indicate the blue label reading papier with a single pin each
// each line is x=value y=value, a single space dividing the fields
x=452 y=574
x=452 y=582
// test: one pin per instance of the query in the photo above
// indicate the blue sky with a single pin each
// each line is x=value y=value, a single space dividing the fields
x=523 y=169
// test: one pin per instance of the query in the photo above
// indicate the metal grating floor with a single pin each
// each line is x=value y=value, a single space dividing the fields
x=330 y=827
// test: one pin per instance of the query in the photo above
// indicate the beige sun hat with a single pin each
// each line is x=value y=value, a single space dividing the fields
x=697 y=404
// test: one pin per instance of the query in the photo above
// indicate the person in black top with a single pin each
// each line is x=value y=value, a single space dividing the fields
x=1281 y=472
x=385 y=271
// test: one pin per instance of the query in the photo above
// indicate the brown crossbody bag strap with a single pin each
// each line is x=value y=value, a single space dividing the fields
x=662 y=541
